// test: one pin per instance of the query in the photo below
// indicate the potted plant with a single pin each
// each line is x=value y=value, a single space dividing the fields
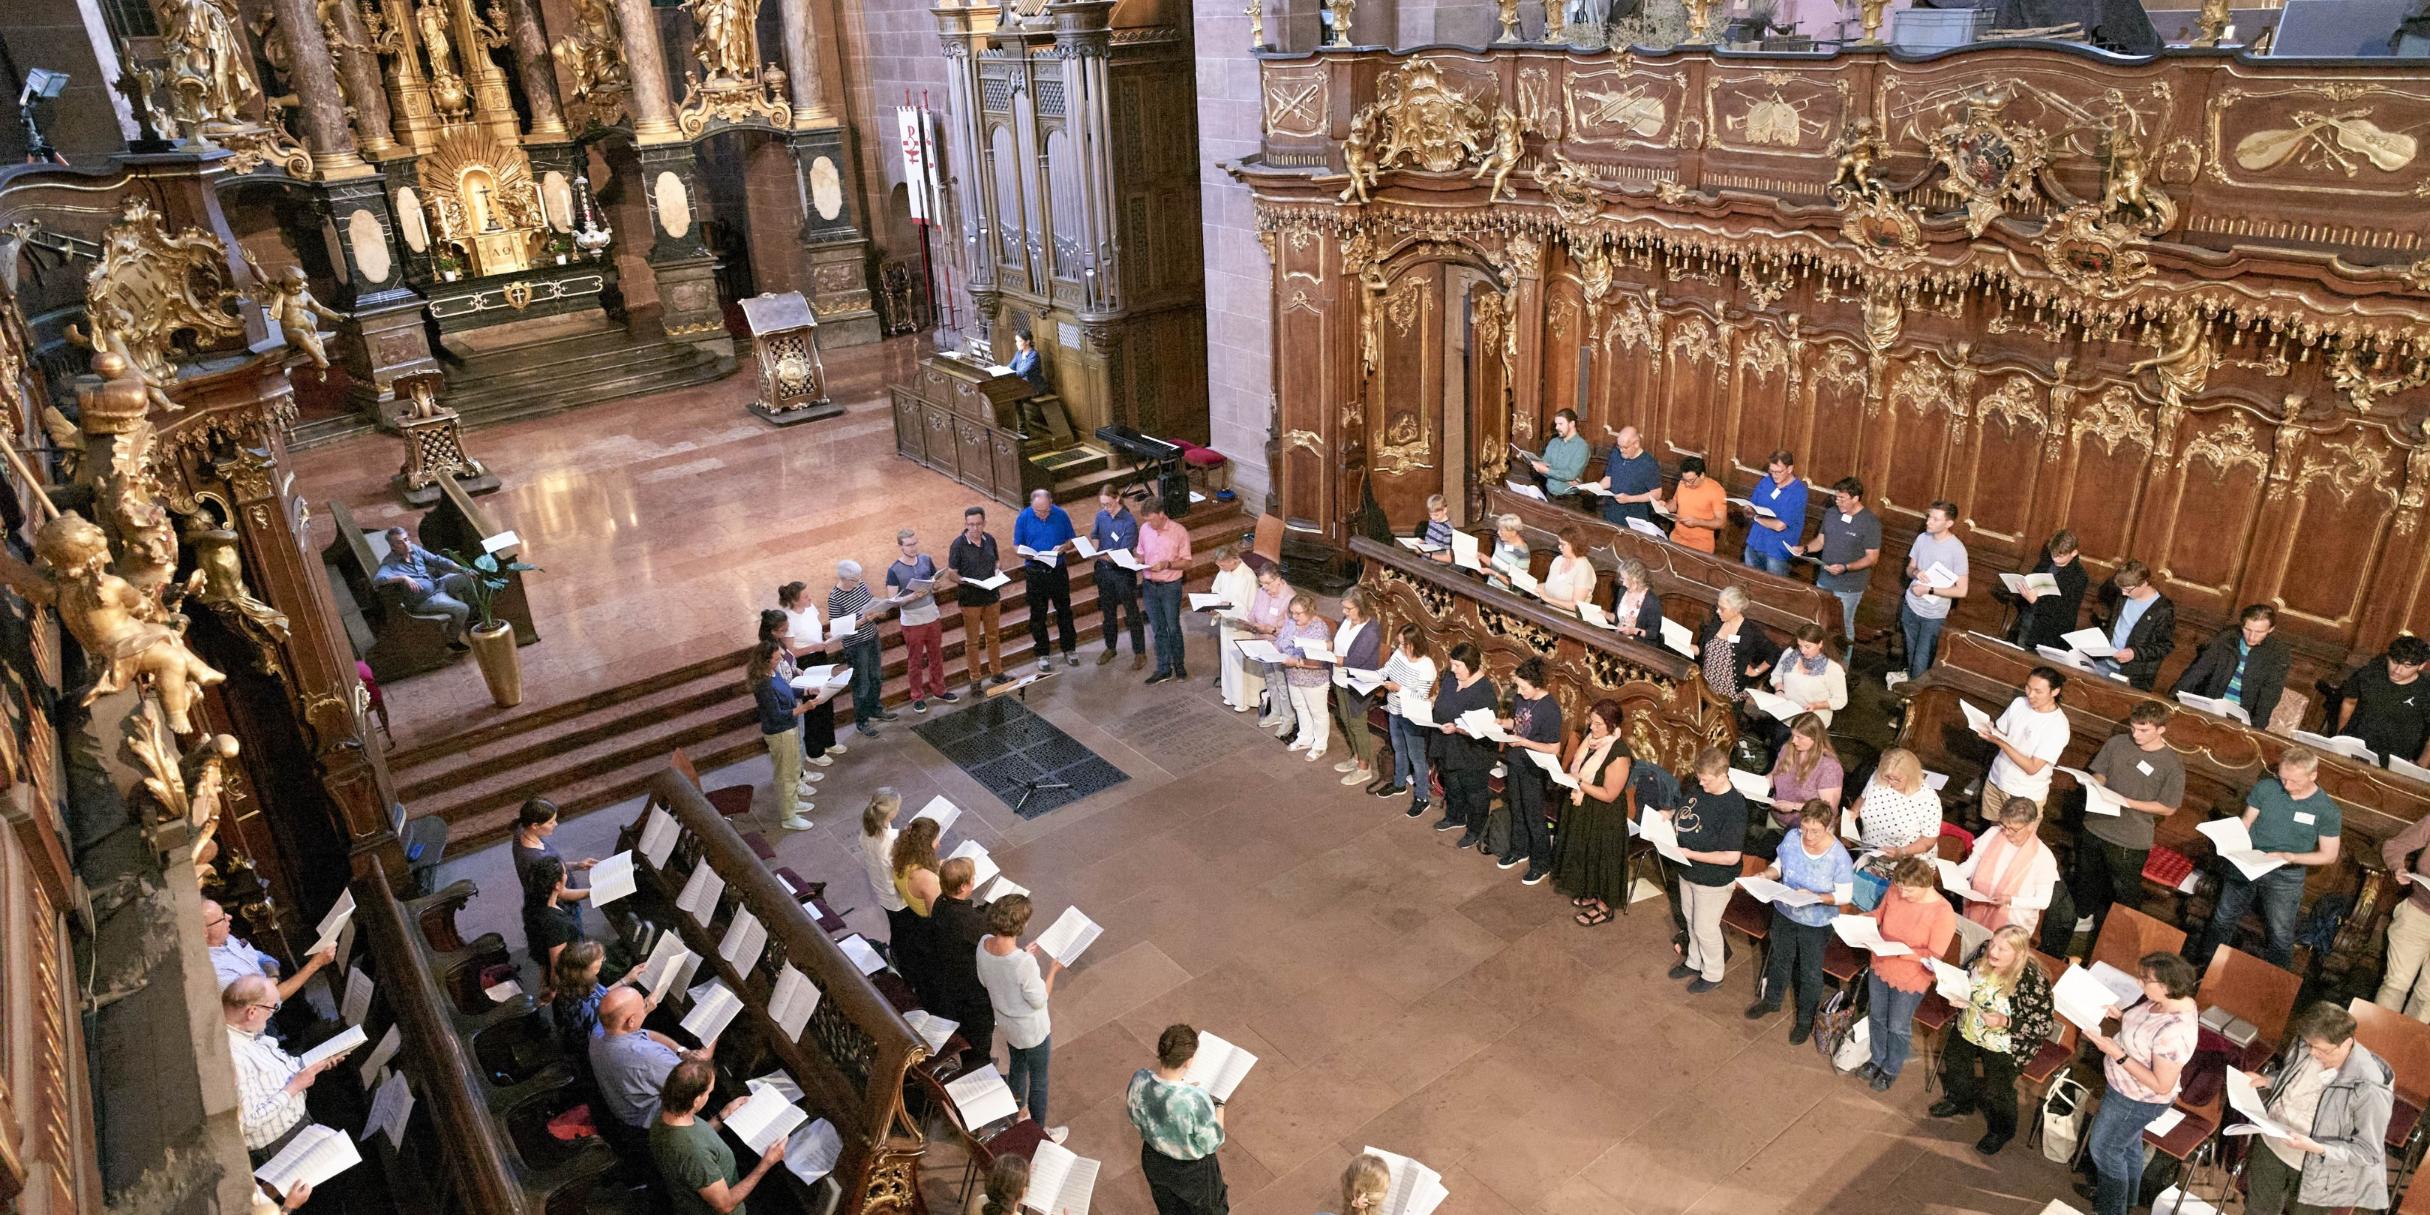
x=493 y=640
x=447 y=264
x=561 y=245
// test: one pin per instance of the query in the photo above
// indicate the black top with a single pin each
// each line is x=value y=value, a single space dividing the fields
x=1462 y=752
x=958 y=924
x=2389 y=717
x=1649 y=613
x=2265 y=673
x=2152 y=638
x=972 y=561
x=1757 y=652
x=1537 y=720
x=545 y=928
x=2048 y=620
x=1711 y=822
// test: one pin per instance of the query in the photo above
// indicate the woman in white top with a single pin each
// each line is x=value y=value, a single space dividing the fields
x=877 y=857
x=1237 y=583
x=1898 y=814
x=1571 y=580
x=1510 y=553
x=1809 y=675
x=2031 y=734
x=805 y=635
x=1017 y=988
x=1410 y=670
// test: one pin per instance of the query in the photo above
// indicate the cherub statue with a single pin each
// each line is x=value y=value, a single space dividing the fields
x=1509 y=143
x=107 y=616
x=218 y=580
x=1857 y=150
x=1358 y=155
x=115 y=362
x=2184 y=362
x=2126 y=190
x=287 y=297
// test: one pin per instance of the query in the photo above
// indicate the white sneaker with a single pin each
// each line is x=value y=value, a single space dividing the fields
x=824 y=761
x=1358 y=776
x=1298 y=744
x=833 y=749
x=1058 y=1133
x=1894 y=678
x=797 y=822
x=1315 y=754
x=1046 y=666
x=1345 y=765
x=812 y=778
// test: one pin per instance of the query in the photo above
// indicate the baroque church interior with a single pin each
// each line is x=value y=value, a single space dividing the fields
x=567 y=562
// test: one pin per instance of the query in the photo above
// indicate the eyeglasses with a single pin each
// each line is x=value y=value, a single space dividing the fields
x=266 y=1007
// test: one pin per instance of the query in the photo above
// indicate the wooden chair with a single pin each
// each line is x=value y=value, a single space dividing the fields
x=2127 y=935
x=732 y=801
x=2405 y=1044
x=1747 y=915
x=2251 y=990
x=1268 y=542
x=1933 y=1018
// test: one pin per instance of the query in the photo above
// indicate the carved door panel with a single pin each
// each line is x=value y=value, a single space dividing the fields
x=2341 y=501
x=1303 y=363
x=1005 y=466
x=1913 y=429
x=1626 y=369
x=1762 y=405
x=1480 y=344
x=1405 y=396
x=1695 y=362
x=1567 y=349
x=2005 y=465
x=942 y=452
x=977 y=469
x=910 y=433
x=2199 y=524
x=1833 y=443
x=2110 y=444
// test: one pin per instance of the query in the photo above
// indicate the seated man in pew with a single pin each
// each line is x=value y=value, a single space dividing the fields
x=630 y=1064
x=2386 y=704
x=428 y=583
x=2293 y=822
x=692 y=1158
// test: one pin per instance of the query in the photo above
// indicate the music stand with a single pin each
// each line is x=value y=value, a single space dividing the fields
x=1019 y=689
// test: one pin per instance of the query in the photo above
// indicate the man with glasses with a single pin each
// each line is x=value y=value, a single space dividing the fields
x=233 y=958
x=270 y=1083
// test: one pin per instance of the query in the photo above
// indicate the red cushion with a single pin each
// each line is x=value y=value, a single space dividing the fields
x=1203 y=457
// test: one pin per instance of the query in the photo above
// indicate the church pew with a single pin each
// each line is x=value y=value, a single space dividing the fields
x=2222 y=757
x=1779 y=604
x=852 y=1058
x=396 y=642
x=1668 y=713
x=459 y=525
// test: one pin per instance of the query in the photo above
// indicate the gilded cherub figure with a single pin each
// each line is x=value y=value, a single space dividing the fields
x=1857 y=150
x=287 y=297
x=2184 y=362
x=2127 y=190
x=1358 y=155
x=1509 y=144
x=108 y=617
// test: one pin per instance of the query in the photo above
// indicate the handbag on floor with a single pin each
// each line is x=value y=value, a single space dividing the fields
x=2063 y=1109
x=1856 y=1048
x=1841 y=1020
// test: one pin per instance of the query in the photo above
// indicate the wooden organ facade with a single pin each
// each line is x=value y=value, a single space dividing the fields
x=2180 y=306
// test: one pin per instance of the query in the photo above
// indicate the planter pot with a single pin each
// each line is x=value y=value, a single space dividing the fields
x=560 y=259
x=501 y=666
x=447 y=275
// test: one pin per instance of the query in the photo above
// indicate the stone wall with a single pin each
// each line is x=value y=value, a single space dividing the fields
x=1239 y=279
x=890 y=48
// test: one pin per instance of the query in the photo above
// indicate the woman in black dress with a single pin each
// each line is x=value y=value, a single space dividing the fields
x=1590 y=859
x=2046 y=617
x=548 y=926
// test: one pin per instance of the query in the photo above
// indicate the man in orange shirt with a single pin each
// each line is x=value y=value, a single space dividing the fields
x=1700 y=507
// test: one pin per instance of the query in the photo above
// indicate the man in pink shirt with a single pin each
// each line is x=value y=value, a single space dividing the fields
x=1164 y=547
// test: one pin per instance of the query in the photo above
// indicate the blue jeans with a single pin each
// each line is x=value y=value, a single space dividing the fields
x=1923 y=637
x=867 y=670
x=1849 y=601
x=1409 y=757
x=1164 y=618
x=1892 y=1013
x=1765 y=562
x=2280 y=892
x=2115 y=1146
x=1027 y=1077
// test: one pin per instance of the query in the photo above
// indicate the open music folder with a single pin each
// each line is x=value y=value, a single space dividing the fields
x=1061 y=1181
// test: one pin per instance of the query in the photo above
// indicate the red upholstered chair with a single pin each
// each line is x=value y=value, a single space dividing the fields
x=730 y=800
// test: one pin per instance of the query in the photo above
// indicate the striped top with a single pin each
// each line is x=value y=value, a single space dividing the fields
x=1416 y=677
x=842 y=602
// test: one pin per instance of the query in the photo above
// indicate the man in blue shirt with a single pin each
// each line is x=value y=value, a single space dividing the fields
x=2143 y=629
x=1771 y=540
x=1043 y=536
x=427 y=583
x=1117 y=588
x=1633 y=478
x=630 y=1064
x=1564 y=456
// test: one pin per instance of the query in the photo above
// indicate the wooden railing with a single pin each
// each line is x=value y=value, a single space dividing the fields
x=1668 y=712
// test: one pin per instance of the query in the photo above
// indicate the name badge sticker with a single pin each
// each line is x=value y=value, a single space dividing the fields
x=2143 y=766
x=2303 y=818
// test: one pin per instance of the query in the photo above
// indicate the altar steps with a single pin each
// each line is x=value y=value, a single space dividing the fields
x=601 y=749
x=577 y=369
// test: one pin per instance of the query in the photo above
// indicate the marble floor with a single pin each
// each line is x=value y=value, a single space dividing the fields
x=660 y=523
x=1400 y=993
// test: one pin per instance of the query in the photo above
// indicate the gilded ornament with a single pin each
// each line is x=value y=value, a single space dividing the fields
x=2352 y=374
x=1987 y=162
x=1358 y=154
x=2113 y=419
x=148 y=285
x=289 y=302
x=2211 y=23
x=122 y=630
x=1256 y=13
x=218 y=583
x=2091 y=254
x=1630 y=111
x=2126 y=192
x=1509 y=144
x=1295 y=105
x=1885 y=231
x=1870 y=14
x=1426 y=122
x=210 y=73
x=1303 y=440
x=1569 y=185
x=593 y=59
x=1339 y=11
x=2354 y=464
x=1556 y=21
x=2184 y=361
x=2229 y=445
x=2343 y=141
x=1507 y=12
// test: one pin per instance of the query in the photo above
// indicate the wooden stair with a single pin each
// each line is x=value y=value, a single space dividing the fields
x=601 y=749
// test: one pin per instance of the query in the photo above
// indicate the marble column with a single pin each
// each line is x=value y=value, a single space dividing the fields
x=323 y=107
x=360 y=66
x=537 y=70
x=646 y=62
x=805 y=74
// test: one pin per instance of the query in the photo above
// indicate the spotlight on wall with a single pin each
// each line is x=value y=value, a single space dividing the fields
x=41 y=84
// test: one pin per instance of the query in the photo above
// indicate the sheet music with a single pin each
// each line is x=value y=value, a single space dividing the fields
x=841 y=628
x=744 y=939
x=340 y=914
x=1955 y=985
x=1002 y=886
x=713 y=1008
x=1778 y=706
x=316 y=1154
x=1480 y=723
x=2235 y=846
x=1203 y=602
x=1219 y=1066
x=1959 y=886
x=335 y=1045
x=1362 y=682
x=2066 y=658
x=659 y=968
x=1864 y=932
x=1642 y=527
x=700 y=891
x=1085 y=548
x=390 y=1107
x=1936 y=781
x=1754 y=786
x=813 y=1150
x=1073 y=932
x=1124 y=558
x=1777 y=893
x=2081 y=998
x=356 y=1004
x=503 y=990
x=612 y=879
x=990 y=583
x=2408 y=769
x=982 y=1097
x=778 y=1080
x=1464 y=550
x=1061 y=1181
x=792 y=1002
x=1591 y=487
x=1939 y=577
x=1416 y=545
x=1552 y=768
x=2124 y=989
x=1050 y=558
x=764 y=1118
x=380 y=1055
x=943 y=811
x=2097 y=797
x=1525 y=491
x=2220 y=707
x=2247 y=1100
x=1317 y=650
x=1595 y=615
x=1415 y=709
x=1258 y=649
x=983 y=868
x=1412 y=1189
x=2091 y=642
x=658 y=834
x=1677 y=636
x=934 y=1030
x=1976 y=719
x=1656 y=829
x=863 y=954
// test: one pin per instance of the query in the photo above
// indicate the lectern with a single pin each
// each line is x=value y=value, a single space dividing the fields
x=792 y=382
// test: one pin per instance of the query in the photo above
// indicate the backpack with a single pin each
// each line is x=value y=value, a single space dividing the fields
x=1841 y=1020
x=1653 y=786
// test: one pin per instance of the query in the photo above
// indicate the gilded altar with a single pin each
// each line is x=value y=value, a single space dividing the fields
x=2177 y=306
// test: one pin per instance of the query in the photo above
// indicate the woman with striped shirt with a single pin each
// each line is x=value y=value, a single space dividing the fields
x=1305 y=678
x=1411 y=670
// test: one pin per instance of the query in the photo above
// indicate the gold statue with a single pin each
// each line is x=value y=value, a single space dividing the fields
x=431 y=19
x=592 y=55
x=727 y=37
x=1256 y=13
x=1857 y=150
x=1870 y=13
x=2184 y=362
x=122 y=398
x=2212 y=23
x=1556 y=20
x=288 y=300
x=1509 y=144
x=218 y=582
x=210 y=67
x=66 y=438
x=1339 y=12
x=2126 y=190
x=1508 y=14
x=1358 y=156
x=107 y=616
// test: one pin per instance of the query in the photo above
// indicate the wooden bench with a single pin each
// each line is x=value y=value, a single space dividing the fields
x=457 y=525
x=395 y=640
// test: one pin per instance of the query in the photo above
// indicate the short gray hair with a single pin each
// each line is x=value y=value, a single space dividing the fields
x=1508 y=523
x=1632 y=570
x=848 y=570
x=1732 y=598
